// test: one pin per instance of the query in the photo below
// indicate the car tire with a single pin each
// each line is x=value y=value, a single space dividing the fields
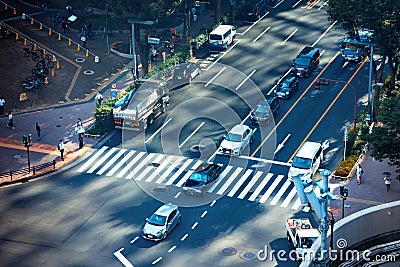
x=150 y=120
x=164 y=236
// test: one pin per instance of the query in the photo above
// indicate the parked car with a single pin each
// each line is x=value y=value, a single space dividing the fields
x=286 y=88
x=238 y=138
x=201 y=178
x=184 y=73
x=306 y=61
x=162 y=222
x=252 y=12
x=265 y=110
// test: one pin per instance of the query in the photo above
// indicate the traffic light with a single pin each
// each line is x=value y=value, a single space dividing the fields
x=344 y=191
x=29 y=138
x=25 y=139
x=321 y=81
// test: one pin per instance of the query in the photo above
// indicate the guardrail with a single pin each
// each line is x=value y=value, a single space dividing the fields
x=27 y=173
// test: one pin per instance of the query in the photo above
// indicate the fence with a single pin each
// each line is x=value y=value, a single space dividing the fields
x=26 y=173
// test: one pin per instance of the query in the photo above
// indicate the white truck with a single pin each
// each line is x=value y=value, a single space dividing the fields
x=301 y=234
x=138 y=109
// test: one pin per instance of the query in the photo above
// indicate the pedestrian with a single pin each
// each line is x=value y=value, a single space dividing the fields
x=61 y=149
x=83 y=39
x=99 y=98
x=80 y=138
x=387 y=182
x=38 y=132
x=2 y=103
x=359 y=172
x=10 y=120
x=173 y=31
x=79 y=123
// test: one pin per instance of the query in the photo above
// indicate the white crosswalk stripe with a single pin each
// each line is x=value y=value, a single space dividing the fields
x=175 y=170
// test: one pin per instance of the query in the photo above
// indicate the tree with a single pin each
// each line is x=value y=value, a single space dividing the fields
x=385 y=139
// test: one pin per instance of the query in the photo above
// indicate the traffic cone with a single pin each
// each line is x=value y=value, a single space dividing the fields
x=87 y=53
x=52 y=73
x=6 y=7
x=69 y=42
x=58 y=65
x=31 y=21
x=59 y=37
x=44 y=52
x=78 y=48
x=34 y=47
x=25 y=41
x=40 y=26
x=15 y=11
x=46 y=80
x=49 y=31
x=16 y=36
x=54 y=58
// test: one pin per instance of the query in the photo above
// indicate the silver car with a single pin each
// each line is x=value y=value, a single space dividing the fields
x=162 y=222
x=238 y=138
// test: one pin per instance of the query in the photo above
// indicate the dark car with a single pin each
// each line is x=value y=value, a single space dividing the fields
x=252 y=12
x=287 y=87
x=201 y=178
x=265 y=110
x=185 y=72
x=306 y=61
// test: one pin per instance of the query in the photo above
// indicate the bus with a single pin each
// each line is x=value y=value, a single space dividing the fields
x=222 y=36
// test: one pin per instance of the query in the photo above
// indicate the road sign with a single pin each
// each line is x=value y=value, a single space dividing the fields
x=114 y=86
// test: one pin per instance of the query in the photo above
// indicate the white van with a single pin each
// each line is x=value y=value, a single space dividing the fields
x=308 y=159
x=222 y=36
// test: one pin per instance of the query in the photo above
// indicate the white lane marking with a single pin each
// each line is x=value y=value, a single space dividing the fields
x=280 y=193
x=103 y=158
x=179 y=171
x=215 y=76
x=298 y=2
x=261 y=34
x=323 y=34
x=215 y=62
x=260 y=187
x=252 y=25
x=290 y=36
x=120 y=163
x=324 y=4
x=134 y=240
x=213 y=203
x=306 y=209
x=245 y=119
x=159 y=129
x=177 y=195
x=110 y=162
x=194 y=225
x=167 y=160
x=289 y=198
x=191 y=135
x=229 y=181
x=271 y=188
x=169 y=170
x=239 y=183
x=203 y=214
x=92 y=159
x=250 y=184
x=296 y=204
x=130 y=164
x=171 y=249
x=265 y=160
x=184 y=237
x=248 y=77
x=282 y=144
x=221 y=177
x=157 y=260
x=147 y=169
x=122 y=258
x=187 y=175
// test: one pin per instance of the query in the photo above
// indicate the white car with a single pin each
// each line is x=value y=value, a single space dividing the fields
x=166 y=218
x=238 y=138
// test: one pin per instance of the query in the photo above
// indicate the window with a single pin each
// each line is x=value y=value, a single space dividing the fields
x=171 y=216
x=234 y=137
x=157 y=220
x=301 y=163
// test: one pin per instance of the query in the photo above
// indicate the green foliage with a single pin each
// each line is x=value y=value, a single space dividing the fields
x=165 y=69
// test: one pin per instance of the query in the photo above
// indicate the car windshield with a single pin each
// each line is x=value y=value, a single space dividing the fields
x=157 y=220
x=261 y=108
x=234 y=137
x=301 y=163
x=285 y=84
x=198 y=177
x=303 y=61
x=215 y=37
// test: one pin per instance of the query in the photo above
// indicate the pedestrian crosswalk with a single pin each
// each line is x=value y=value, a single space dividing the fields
x=170 y=170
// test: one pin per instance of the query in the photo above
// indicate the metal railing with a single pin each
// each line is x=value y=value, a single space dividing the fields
x=27 y=172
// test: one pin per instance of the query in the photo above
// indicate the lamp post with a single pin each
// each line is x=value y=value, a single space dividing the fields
x=133 y=22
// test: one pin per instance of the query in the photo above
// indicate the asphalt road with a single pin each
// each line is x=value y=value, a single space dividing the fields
x=93 y=214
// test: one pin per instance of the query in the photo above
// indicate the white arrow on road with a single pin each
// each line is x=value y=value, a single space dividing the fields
x=122 y=258
x=282 y=144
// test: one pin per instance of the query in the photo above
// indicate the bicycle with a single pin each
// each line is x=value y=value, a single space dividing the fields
x=31 y=52
x=46 y=60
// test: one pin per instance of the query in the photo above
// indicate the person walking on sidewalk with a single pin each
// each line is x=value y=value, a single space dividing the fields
x=10 y=120
x=359 y=172
x=80 y=138
x=2 y=104
x=99 y=98
x=387 y=182
x=61 y=149
x=38 y=132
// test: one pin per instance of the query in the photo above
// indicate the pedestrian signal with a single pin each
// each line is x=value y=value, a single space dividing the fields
x=25 y=139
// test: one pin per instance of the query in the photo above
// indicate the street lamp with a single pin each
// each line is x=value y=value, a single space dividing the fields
x=133 y=22
x=324 y=81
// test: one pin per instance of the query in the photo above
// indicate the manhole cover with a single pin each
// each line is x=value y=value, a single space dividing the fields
x=58 y=125
x=200 y=243
x=17 y=156
x=248 y=255
x=227 y=251
x=158 y=189
x=88 y=72
x=79 y=60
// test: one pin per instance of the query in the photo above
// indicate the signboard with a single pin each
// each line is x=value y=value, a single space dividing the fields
x=152 y=40
x=114 y=90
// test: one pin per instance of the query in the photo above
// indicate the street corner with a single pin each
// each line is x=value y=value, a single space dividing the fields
x=73 y=155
